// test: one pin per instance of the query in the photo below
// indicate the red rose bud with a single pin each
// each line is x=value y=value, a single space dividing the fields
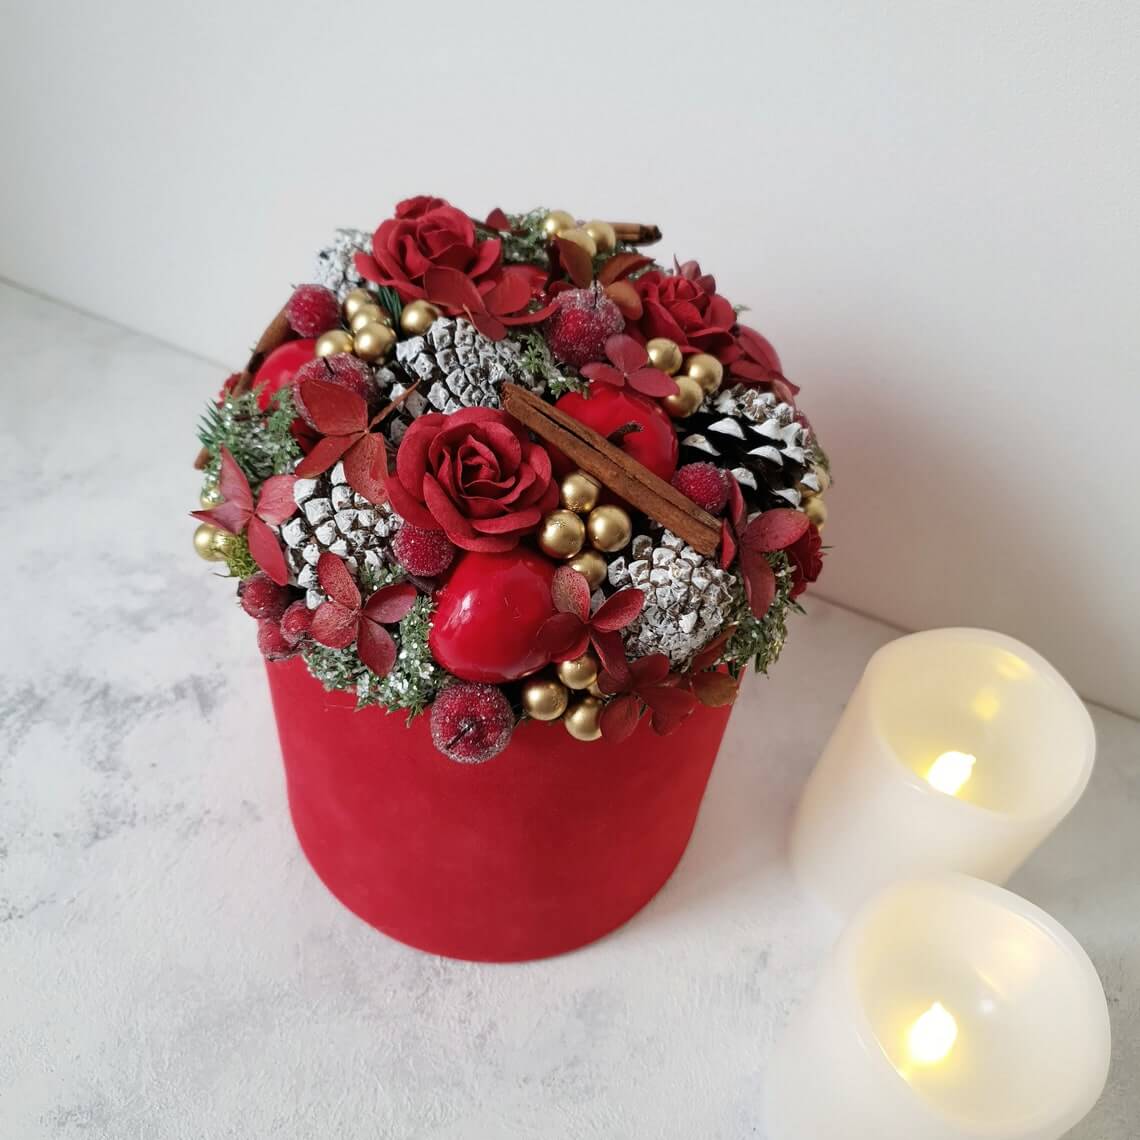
x=312 y=310
x=470 y=723
x=705 y=484
x=262 y=598
x=425 y=553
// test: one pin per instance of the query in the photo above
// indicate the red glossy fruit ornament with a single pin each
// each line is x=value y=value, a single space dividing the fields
x=606 y=409
x=278 y=368
x=488 y=614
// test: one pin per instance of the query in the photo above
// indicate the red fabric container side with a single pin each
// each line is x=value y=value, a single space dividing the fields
x=546 y=847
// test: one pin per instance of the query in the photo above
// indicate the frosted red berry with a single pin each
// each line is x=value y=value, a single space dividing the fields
x=585 y=320
x=705 y=484
x=296 y=622
x=272 y=642
x=261 y=597
x=423 y=552
x=312 y=310
x=342 y=368
x=470 y=723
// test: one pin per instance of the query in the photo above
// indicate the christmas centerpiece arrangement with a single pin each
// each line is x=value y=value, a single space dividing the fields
x=456 y=410
x=516 y=476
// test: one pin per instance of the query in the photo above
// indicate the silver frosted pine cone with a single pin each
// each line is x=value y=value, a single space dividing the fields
x=689 y=599
x=334 y=518
x=760 y=440
x=335 y=269
x=458 y=367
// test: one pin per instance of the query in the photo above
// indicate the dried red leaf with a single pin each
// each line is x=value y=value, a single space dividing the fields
x=715 y=689
x=334 y=409
x=571 y=592
x=774 y=530
x=576 y=261
x=334 y=625
x=365 y=465
x=561 y=634
x=611 y=653
x=669 y=706
x=498 y=220
x=325 y=453
x=759 y=581
x=276 y=503
x=653 y=382
x=627 y=299
x=375 y=647
x=727 y=545
x=337 y=582
x=619 y=718
x=618 y=610
x=711 y=653
x=621 y=265
x=266 y=550
x=390 y=604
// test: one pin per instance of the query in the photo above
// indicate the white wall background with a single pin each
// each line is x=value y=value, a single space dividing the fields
x=933 y=209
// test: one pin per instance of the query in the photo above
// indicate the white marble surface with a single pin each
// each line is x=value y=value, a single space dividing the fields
x=170 y=969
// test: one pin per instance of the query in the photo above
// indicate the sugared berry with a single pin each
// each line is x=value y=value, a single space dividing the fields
x=705 y=484
x=296 y=622
x=312 y=310
x=470 y=723
x=585 y=320
x=272 y=642
x=261 y=597
x=423 y=552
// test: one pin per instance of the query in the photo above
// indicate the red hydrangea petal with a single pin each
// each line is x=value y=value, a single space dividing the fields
x=375 y=647
x=233 y=484
x=618 y=610
x=619 y=719
x=775 y=530
x=653 y=382
x=391 y=603
x=759 y=581
x=571 y=592
x=625 y=353
x=324 y=454
x=335 y=410
x=334 y=625
x=229 y=516
x=563 y=637
x=715 y=689
x=337 y=582
x=365 y=465
x=611 y=653
x=266 y=551
x=668 y=705
x=276 y=503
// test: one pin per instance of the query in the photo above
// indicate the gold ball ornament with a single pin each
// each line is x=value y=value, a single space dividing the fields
x=557 y=221
x=816 y=510
x=609 y=528
x=580 y=238
x=592 y=566
x=706 y=370
x=211 y=496
x=594 y=690
x=543 y=698
x=605 y=238
x=562 y=534
x=354 y=300
x=333 y=342
x=686 y=400
x=368 y=315
x=417 y=317
x=579 y=492
x=374 y=341
x=824 y=477
x=583 y=720
x=664 y=354
x=208 y=543
x=580 y=673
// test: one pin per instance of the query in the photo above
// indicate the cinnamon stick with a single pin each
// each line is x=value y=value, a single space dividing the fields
x=636 y=233
x=614 y=468
x=277 y=332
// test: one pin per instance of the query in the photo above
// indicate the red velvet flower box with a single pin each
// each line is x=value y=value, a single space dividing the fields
x=552 y=845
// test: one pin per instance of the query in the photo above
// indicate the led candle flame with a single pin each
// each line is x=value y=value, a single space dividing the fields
x=950 y=771
x=932 y=1036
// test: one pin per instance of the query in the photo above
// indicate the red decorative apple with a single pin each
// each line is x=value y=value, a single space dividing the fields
x=279 y=367
x=488 y=614
x=606 y=409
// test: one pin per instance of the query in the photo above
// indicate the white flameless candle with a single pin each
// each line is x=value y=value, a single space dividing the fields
x=960 y=750
x=949 y=1009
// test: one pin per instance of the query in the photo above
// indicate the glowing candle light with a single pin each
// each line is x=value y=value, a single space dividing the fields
x=950 y=771
x=960 y=750
x=1015 y=1047
x=932 y=1035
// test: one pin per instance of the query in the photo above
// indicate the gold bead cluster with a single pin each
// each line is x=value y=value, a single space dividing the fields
x=594 y=237
x=564 y=532
x=697 y=376
x=370 y=335
x=211 y=542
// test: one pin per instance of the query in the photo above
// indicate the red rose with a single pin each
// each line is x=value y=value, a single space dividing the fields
x=474 y=474
x=427 y=236
x=685 y=307
x=419 y=205
x=806 y=557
